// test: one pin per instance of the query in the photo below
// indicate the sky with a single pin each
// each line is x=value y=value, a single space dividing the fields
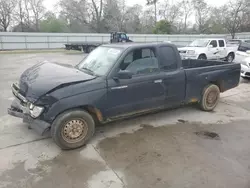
x=49 y=4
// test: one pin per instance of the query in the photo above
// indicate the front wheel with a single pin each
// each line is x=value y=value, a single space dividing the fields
x=72 y=129
x=210 y=97
x=202 y=57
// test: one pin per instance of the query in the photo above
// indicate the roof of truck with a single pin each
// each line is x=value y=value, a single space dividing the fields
x=134 y=44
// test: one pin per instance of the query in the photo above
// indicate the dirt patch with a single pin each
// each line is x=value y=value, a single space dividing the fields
x=173 y=156
x=69 y=169
x=208 y=135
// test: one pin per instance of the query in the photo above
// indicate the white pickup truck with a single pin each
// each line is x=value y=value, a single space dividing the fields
x=212 y=49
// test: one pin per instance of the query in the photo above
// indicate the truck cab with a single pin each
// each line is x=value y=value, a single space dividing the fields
x=211 y=49
x=116 y=37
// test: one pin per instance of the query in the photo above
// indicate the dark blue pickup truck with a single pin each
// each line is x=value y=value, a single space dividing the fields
x=115 y=81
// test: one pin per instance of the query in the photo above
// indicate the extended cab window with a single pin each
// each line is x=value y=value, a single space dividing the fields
x=213 y=43
x=168 y=58
x=141 y=61
x=221 y=43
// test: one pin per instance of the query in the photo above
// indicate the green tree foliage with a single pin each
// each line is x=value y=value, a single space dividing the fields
x=162 y=27
x=52 y=24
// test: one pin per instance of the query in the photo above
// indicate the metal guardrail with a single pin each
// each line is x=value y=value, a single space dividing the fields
x=15 y=41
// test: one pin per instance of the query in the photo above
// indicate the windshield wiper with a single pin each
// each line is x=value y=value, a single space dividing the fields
x=88 y=70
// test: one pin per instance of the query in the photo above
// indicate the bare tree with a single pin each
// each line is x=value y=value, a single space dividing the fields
x=171 y=12
x=201 y=13
x=6 y=11
x=153 y=2
x=75 y=10
x=97 y=14
x=187 y=10
x=133 y=19
x=38 y=11
x=233 y=16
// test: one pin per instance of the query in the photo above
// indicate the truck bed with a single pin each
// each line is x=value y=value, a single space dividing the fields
x=200 y=73
x=196 y=63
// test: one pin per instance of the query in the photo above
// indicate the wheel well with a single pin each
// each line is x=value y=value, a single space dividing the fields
x=232 y=54
x=94 y=112
x=203 y=55
x=219 y=84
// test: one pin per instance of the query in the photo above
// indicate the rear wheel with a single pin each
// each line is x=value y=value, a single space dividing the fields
x=72 y=129
x=90 y=49
x=210 y=97
x=202 y=57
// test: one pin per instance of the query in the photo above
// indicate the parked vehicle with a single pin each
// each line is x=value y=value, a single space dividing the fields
x=237 y=42
x=243 y=57
x=113 y=82
x=212 y=49
x=87 y=47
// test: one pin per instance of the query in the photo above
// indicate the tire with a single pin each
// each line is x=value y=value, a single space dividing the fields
x=90 y=49
x=202 y=57
x=230 y=57
x=82 y=49
x=72 y=129
x=210 y=97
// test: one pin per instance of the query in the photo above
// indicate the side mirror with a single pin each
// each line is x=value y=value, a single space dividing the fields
x=248 y=51
x=124 y=75
x=210 y=46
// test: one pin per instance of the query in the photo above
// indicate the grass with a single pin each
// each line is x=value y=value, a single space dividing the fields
x=40 y=51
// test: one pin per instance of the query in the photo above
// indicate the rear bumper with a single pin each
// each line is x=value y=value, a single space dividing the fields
x=20 y=111
x=245 y=71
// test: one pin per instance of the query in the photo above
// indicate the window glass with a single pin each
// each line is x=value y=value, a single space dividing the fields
x=100 y=60
x=123 y=36
x=214 y=43
x=168 y=58
x=143 y=62
x=244 y=47
x=221 y=43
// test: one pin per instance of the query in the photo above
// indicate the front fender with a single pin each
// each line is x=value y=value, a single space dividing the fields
x=97 y=99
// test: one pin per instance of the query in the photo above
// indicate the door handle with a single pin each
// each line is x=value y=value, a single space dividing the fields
x=158 y=81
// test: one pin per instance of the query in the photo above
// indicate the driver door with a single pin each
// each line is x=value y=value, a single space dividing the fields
x=213 y=51
x=143 y=91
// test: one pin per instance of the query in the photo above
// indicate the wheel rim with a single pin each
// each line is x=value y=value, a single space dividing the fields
x=74 y=130
x=230 y=58
x=212 y=98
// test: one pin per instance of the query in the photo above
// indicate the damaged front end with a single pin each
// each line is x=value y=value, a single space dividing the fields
x=27 y=111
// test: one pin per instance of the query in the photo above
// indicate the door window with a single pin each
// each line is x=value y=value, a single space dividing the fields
x=214 y=43
x=221 y=43
x=123 y=36
x=140 y=62
x=168 y=58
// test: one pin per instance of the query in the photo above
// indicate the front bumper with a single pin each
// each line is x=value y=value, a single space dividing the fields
x=245 y=71
x=19 y=109
x=186 y=56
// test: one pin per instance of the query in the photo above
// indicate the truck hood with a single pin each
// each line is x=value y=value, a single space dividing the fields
x=46 y=76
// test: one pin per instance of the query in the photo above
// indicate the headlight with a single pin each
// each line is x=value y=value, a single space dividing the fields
x=245 y=62
x=191 y=52
x=35 y=111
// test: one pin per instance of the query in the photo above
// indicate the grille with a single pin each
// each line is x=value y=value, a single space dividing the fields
x=182 y=51
x=247 y=74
